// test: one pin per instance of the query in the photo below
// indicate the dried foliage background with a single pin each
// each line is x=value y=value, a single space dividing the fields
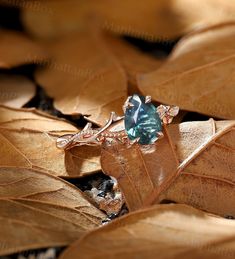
x=63 y=63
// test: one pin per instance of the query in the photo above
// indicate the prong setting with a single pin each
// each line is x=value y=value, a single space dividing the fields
x=148 y=99
x=167 y=113
x=127 y=104
x=132 y=142
x=88 y=126
x=160 y=135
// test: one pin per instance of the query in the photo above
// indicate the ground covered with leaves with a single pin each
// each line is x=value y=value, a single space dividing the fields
x=66 y=63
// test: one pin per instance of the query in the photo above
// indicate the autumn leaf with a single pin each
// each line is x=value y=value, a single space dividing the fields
x=109 y=71
x=199 y=74
x=132 y=59
x=28 y=139
x=166 y=231
x=26 y=183
x=192 y=164
x=18 y=49
x=39 y=225
x=150 y=20
x=55 y=18
x=33 y=119
x=84 y=78
x=43 y=209
x=162 y=20
x=16 y=91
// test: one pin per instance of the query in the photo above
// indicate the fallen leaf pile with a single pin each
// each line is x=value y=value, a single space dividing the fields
x=66 y=63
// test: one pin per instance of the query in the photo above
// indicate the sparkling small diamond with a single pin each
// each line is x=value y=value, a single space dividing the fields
x=141 y=120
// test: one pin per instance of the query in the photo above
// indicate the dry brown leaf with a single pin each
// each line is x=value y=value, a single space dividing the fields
x=150 y=19
x=154 y=20
x=28 y=139
x=194 y=164
x=82 y=160
x=199 y=75
x=54 y=18
x=16 y=91
x=28 y=224
x=17 y=49
x=165 y=231
x=39 y=210
x=30 y=184
x=132 y=60
x=84 y=77
x=33 y=119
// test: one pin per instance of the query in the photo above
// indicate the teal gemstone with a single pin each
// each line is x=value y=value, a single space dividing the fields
x=142 y=121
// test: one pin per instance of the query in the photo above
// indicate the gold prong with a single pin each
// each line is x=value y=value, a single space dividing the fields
x=116 y=117
x=88 y=126
x=127 y=104
x=132 y=142
x=167 y=113
x=160 y=135
x=148 y=99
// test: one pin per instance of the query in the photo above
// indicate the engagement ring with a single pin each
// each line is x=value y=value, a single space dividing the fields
x=142 y=123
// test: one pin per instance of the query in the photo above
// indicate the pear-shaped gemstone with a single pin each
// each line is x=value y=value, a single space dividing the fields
x=142 y=121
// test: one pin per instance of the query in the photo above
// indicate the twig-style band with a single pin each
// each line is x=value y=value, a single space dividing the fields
x=142 y=121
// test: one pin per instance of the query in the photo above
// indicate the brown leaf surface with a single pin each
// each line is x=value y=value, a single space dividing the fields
x=84 y=77
x=154 y=20
x=132 y=59
x=37 y=229
x=16 y=91
x=199 y=75
x=27 y=224
x=33 y=119
x=55 y=18
x=150 y=19
x=28 y=139
x=30 y=184
x=166 y=231
x=39 y=210
x=194 y=164
x=17 y=49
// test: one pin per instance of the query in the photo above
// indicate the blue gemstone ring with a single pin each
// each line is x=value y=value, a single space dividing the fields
x=142 y=124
